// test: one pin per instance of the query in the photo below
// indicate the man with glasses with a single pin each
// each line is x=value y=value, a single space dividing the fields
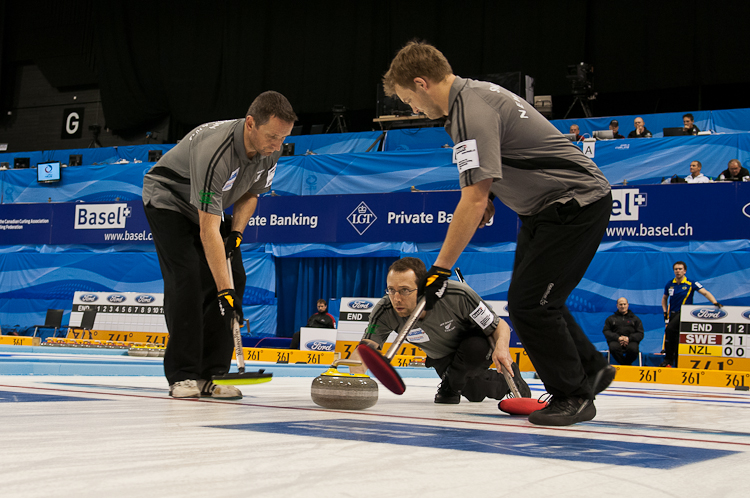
x=454 y=334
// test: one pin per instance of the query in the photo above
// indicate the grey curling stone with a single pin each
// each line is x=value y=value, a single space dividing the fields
x=343 y=391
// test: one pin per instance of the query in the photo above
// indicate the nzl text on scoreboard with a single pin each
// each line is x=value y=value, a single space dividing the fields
x=715 y=338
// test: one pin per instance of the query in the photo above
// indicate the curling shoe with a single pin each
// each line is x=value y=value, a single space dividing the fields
x=446 y=395
x=185 y=389
x=564 y=411
x=603 y=379
x=210 y=390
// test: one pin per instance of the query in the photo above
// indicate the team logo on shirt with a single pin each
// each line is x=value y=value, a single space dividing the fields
x=205 y=197
x=230 y=182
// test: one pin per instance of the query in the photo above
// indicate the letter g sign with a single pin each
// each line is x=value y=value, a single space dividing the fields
x=72 y=123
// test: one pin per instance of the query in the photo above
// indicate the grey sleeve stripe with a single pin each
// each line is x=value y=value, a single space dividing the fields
x=212 y=166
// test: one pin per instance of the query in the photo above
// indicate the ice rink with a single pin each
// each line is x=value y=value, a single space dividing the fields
x=124 y=436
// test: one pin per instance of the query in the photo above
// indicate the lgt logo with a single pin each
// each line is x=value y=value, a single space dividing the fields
x=98 y=216
x=626 y=203
x=361 y=218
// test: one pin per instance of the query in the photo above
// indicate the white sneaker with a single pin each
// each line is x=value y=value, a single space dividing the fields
x=185 y=389
x=210 y=390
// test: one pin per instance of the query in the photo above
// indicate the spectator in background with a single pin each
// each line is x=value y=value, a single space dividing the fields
x=624 y=331
x=695 y=175
x=320 y=320
x=615 y=127
x=640 y=129
x=688 y=127
x=575 y=130
x=734 y=172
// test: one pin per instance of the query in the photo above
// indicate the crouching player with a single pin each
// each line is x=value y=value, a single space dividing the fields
x=454 y=334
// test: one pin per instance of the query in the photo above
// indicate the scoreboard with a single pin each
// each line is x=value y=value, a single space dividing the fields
x=714 y=339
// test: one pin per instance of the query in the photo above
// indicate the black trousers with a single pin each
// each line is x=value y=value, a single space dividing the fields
x=466 y=366
x=555 y=247
x=200 y=345
x=624 y=355
x=672 y=339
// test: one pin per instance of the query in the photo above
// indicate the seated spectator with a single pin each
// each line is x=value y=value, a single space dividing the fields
x=575 y=130
x=640 y=129
x=734 y=173
x=623 y=331
x=695 y=175
x=688 y=127
x=615 y=127
x=320 y=320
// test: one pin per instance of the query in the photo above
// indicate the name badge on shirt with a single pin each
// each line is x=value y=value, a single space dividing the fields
x=230 y=182
x=417 y=336
x=482 y=316
x=271 y=172
x=465 y=155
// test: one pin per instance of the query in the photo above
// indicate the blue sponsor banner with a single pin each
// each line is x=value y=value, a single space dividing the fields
x=402 y=216
x=643 y=213
x=680 y=212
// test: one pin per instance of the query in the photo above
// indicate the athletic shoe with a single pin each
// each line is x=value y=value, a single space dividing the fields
x=446 y=395
x=210 y=390
x=666 y=364
x=523 y=388
x=564 y=411
x=185 y=389
x=602 y=379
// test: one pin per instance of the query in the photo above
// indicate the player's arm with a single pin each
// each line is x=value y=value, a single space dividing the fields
x=710 y=297
x=501 y=353
x=243 y=210
x=213 y=246
x=664 y=303
x=466 y=219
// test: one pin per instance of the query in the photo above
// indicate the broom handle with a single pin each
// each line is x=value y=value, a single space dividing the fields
x=405 y=329
x=506 y=374
x=236 y=327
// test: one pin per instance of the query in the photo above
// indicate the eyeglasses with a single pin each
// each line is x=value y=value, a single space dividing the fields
x=403 y=292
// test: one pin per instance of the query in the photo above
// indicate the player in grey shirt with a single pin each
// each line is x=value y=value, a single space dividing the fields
x=454 y=335
x=217 y=165
x=506 y=149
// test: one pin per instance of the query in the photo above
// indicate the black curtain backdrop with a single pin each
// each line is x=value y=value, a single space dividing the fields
x=196 y=61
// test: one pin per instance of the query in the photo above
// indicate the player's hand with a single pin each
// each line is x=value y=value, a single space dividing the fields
x=433 y=286
x=233 y=242
x=719 y=305
x=502 y=358
x=489 y=212
x=230 y=306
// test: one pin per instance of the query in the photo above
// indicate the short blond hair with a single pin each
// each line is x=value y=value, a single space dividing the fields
x=416 y=59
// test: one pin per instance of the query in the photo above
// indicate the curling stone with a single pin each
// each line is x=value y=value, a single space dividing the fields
x=343 y=391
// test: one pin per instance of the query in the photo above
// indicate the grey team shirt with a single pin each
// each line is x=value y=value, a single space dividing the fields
x=208 y=170
x=460 y=312
x=531 y=163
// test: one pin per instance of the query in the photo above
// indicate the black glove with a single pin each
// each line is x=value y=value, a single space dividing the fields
x=666 y=315
x=233 y=242
x=718 y=304
x=433 y=286
x=230 y=307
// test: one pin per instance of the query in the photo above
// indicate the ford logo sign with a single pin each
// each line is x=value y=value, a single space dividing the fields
x=320 y=346
x=144 y=299
x=116 y=298
x=360 y=304
x=746 y=314
x=708 y=313
x=89 y=298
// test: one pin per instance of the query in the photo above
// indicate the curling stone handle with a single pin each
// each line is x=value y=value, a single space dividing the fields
x=349 y=363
